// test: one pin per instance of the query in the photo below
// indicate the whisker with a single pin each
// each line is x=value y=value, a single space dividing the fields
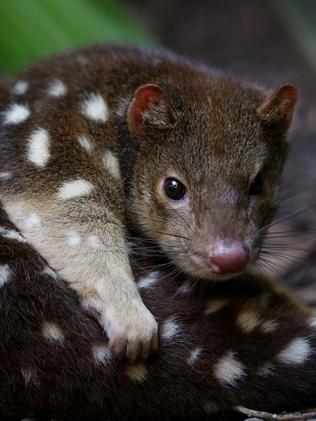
x=285 y=218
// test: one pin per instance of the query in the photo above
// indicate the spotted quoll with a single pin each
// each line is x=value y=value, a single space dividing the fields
x=108 y=139
x=237 y=343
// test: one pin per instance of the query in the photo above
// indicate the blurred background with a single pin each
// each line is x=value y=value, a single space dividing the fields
x=265 y=41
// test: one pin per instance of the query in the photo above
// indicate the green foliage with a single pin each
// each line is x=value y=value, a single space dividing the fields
x=30 y=29
x=299 y=18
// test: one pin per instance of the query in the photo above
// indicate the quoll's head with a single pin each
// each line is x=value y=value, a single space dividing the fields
x=207 y=176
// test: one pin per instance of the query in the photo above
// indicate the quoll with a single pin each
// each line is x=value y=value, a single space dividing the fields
x=107 y=140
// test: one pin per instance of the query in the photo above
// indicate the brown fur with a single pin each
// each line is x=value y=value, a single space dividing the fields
x=212 y=132
x=67 y=383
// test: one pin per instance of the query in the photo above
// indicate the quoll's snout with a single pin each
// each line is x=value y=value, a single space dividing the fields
x=227 y=258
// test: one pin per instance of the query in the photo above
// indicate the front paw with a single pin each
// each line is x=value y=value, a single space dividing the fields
x=132 y=332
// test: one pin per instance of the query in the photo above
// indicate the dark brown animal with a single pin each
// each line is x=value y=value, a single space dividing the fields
x=243 y=343
x=106 y=138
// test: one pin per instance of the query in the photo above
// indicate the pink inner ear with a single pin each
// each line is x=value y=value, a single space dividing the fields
x=288 y=93
x=279 y=108
x=146 y=98
x=148 y=93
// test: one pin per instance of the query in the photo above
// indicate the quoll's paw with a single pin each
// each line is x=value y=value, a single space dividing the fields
x=132 y=332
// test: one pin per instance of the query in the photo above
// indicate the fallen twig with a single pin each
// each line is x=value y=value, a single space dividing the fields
x=290 y=416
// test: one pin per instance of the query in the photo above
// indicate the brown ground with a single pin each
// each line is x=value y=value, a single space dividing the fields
x=248 y=39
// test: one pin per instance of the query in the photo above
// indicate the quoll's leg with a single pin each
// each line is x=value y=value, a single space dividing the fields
x=84 y=243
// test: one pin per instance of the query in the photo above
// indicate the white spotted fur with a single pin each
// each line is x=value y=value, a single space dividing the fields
x=56 y=88
x=95 y=108
x=216 y=305
x=137 y=372
x=195 y=355
x=20 y=88
x=101 y=354
x=5 y=273
x=52 y=332
x=85 y=143
x=11 y=235
x=296 y=352
x=16 y=114
x=170 y=328
x=75 y=188
x=247 y=320
x=111 y=163
x=5 y=175
x=38 y=147
x=228 y=370
x=149 y=280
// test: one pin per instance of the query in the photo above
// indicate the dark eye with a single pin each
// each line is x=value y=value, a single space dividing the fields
x=174 y=189
x=257 y=186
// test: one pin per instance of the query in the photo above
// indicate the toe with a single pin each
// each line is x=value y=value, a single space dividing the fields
x=133 y=350
x=117 y=347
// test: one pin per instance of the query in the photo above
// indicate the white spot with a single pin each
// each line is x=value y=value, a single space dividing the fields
x=4 y=274
x=169 y=329
x=31 y=220
x=228 y=370
x=20 y=87
x=73 y=239
x=76 y=188
x=95 y=108
x=29 y=375
x=248 y=320
x=11 y=235
x=56 y=88
x=95 y=242
x=50 y=272
x=269 y=326
x=101 y=354
x=5 y=175
x=296 y=352
x=82 y=59
x=266 y=370
x=194 y=355
x=215 y=305
x=85 y=143
x=312 y=322
x=111 y=163
x=137 y=372
x=149 y=280
x=184 y=289
x=38 y=147
x=15 y=114
x=52 y=332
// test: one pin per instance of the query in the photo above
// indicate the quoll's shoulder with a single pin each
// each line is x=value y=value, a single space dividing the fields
x=58 y=117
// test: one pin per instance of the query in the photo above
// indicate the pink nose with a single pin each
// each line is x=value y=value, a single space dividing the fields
x=230 y=258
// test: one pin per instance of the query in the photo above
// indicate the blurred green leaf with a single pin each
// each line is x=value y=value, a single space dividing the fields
x=31 y=29
x=299 y=18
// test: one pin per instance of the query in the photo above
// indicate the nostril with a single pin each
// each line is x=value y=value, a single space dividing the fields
x=247 y=250
x=231 y=258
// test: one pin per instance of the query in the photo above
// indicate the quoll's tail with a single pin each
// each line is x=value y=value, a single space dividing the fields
x=254 y=348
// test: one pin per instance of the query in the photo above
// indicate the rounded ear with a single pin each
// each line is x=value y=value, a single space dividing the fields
x=277 y=111
x=149 y=108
